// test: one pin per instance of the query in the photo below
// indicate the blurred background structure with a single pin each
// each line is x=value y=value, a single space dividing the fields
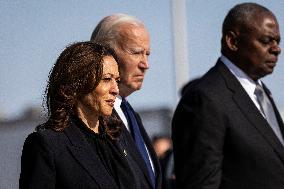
x=33 y=33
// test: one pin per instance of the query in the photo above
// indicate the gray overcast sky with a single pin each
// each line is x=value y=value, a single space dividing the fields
x=33 y=33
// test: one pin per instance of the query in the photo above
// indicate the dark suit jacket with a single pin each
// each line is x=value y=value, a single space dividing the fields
x=129 y=144
x=66 y=160
x=221 y=140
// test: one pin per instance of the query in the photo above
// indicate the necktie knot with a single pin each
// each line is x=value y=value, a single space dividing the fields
x=262 y=100
x=123 y=101
x=259 y=92
x=125 y=105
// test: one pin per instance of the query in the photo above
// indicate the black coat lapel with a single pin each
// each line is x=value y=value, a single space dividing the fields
x=130 y=144
x=84 y=154
x=248 y=108
x=127 y=141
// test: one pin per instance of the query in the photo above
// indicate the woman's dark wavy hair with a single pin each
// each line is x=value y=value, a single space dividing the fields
x=77 y=72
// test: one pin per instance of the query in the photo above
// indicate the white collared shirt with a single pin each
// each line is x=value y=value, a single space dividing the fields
x=247 y=83
x=119 y=111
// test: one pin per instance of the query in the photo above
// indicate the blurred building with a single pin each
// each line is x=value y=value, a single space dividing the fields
x=157 y=121
x=13 y=133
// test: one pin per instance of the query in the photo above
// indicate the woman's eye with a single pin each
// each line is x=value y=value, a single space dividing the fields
x=106 y=79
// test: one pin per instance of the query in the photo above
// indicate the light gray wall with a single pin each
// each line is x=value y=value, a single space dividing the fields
x=12 y=137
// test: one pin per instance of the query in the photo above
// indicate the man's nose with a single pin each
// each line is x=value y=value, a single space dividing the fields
x=275 y=49
x=144 y=62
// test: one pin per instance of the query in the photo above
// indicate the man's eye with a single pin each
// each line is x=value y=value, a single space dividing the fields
x=265 y=40
x=136 y=52
x=269 y=40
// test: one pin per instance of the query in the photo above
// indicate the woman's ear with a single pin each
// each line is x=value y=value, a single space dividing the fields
x=232 y=40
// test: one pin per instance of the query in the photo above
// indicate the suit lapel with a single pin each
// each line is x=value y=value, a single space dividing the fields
x=129 y=143
x=250 y=111
x=89 y=160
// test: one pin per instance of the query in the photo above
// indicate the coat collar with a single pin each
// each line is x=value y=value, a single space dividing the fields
x=250 y=111
x=84 y=154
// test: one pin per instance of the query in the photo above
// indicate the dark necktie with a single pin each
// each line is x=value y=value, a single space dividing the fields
x=136 y=134
x=268 y=111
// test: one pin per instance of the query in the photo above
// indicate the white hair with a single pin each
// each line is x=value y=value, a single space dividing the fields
x=107 y=31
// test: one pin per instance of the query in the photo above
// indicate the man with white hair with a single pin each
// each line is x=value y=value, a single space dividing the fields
x=131 y=41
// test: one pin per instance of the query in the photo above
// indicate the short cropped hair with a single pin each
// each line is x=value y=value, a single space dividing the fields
x=241 y=15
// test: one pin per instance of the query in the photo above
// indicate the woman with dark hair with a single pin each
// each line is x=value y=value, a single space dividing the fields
x=78 y=146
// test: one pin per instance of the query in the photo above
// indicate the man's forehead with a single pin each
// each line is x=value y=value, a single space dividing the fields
x=261 y=18
x=132 y=31
x=136 y=37
x=257 y=23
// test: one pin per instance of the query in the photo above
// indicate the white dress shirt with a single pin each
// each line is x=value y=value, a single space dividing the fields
x=119 y=111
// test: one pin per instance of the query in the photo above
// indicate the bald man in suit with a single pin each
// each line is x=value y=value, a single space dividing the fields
x=223 y=135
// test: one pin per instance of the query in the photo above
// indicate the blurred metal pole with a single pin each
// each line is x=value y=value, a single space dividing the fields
x=180 y=44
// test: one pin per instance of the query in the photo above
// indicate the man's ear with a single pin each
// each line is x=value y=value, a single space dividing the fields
x=232 y=40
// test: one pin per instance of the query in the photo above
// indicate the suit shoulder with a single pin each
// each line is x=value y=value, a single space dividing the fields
x=47 y=133
x=210 y=83
x=47 y=138
x=41 y=134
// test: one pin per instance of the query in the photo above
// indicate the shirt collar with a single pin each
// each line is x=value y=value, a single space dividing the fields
x=247 y=83
x=117 y=101
x=119 y=111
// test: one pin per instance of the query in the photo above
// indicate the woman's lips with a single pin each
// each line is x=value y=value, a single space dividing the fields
x=110 y=102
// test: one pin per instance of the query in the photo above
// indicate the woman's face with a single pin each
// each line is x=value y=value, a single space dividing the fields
x=101 y=100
